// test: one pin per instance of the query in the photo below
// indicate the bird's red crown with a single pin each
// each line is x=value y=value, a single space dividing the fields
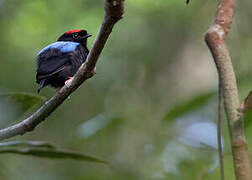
x=73 y=31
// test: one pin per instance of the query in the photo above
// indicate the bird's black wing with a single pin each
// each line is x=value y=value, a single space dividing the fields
x=56 y=65
x=51 y=62
x=53 y=57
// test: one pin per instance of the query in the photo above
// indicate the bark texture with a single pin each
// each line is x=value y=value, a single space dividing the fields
x=215 y=39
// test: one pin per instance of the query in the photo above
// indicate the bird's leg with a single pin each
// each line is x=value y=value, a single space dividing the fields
x=68 y=80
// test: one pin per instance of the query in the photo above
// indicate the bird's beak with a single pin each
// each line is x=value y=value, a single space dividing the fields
x=87 y=36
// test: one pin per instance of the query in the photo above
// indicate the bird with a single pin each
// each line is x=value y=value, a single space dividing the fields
x=58 y=62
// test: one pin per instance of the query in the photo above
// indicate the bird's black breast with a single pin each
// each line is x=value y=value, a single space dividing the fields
x=55 y=63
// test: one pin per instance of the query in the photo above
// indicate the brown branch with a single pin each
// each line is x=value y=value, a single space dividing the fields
x=246 y=105
x=219 y=131
x=114 y=10
x=215 y=39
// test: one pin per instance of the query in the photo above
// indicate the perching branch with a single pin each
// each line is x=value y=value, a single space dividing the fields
x=114 y=10
x=215 y=39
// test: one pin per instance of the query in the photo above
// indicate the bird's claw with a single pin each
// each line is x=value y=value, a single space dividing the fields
x=68 y=81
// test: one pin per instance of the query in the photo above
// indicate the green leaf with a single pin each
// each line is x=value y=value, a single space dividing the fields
x=188 y=106
x=38 y=144
x=53 y=154
x=247 y=118
x=24 y=101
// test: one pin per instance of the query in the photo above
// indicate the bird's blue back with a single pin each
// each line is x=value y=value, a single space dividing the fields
x=63 y=46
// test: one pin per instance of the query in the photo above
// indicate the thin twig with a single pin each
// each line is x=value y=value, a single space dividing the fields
x=220 y=151
x=114 y=10
x=246 y=105
x=215 y=39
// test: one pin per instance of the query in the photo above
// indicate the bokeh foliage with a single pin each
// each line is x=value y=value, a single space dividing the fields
x=155 y=65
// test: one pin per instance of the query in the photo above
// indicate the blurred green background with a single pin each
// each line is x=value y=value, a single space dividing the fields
x=150 y=110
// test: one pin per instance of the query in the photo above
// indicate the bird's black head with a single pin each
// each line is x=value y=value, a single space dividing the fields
x=79 y=36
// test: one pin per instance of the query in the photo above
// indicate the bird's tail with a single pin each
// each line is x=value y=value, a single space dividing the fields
x=41 y=84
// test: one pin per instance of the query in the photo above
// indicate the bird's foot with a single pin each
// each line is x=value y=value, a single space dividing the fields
x=68 y=80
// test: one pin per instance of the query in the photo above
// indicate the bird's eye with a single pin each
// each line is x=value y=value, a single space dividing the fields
x=75 y=35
